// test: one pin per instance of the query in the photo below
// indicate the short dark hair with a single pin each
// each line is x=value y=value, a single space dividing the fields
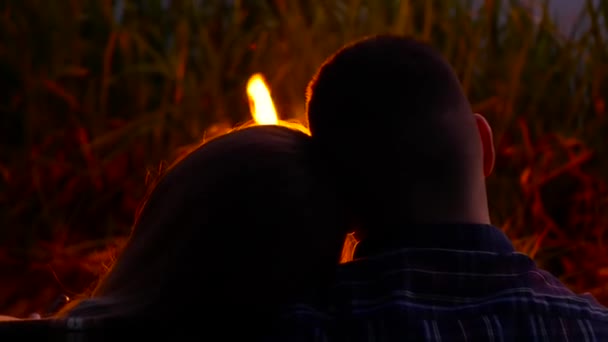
x=380 y=109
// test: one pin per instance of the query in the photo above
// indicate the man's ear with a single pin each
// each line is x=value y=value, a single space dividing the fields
x=487 y=143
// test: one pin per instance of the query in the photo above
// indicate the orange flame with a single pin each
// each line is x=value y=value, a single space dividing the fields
x=348 y=249
x=264 y=113
x=260 y=101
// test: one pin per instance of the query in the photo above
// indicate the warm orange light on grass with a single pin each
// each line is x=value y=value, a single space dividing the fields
x=260 y=101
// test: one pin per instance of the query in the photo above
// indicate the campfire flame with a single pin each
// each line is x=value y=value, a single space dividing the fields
x=260 y=101
x=264 y=113
x=348 y=249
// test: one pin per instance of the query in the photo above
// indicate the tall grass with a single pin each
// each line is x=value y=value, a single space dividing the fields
x=94 y=95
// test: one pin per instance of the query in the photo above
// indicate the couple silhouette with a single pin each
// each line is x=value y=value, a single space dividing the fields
x=241 y=239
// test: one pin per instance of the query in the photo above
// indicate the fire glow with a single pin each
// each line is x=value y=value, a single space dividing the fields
x=260 y=101
x=264 y=113
x=348 y=249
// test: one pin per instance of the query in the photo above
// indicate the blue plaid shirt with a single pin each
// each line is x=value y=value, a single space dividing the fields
x=448 y=283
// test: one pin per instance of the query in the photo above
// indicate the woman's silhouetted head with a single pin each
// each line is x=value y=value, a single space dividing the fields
x=239 y=227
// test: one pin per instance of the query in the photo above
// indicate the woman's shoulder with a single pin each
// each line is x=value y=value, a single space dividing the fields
x=16 y=329
x=56 y=329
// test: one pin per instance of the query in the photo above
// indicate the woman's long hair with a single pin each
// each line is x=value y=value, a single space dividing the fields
x=238 y=228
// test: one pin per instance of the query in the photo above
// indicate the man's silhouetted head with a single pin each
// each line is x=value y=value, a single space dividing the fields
x=389 y=115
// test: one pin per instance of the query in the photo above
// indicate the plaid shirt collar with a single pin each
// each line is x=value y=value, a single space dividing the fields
x=466 y=237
